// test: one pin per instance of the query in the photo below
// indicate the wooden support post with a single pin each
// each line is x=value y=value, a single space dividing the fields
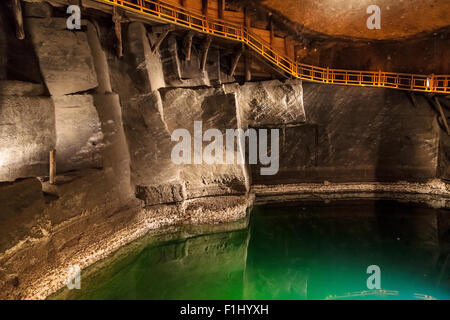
x=247 y=21
x=289 y=47
x=441 y=111
x=206 y=46
x=52 y=166
x=221 y=5
x=117 y=19
x=161 y=39
x=182 y=3
x=286 y=45
x=248 y=68
x=236 y=61
x=205 y=7
x=188 y=45
x=17 y=9
x=272 y=31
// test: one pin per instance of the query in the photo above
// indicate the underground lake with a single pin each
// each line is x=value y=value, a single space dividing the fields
x=291 y=251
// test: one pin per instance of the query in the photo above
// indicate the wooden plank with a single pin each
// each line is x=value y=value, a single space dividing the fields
x=117 y=19
x=161 y=38
x=18 y=18
x=52 y=166
x=221 y=8
x=271 y=29
x=188 y=45
x=205 y=7
x=235 y=61
x=206 y=46
x=247 y=21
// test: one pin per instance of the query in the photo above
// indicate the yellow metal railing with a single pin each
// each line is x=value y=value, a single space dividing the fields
x=224 y=29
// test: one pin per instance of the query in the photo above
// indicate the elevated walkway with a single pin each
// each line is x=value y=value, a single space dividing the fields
x=233 y=30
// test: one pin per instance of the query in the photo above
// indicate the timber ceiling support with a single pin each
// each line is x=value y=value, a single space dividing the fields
x=117 y=18
x=235 y=61
x=271 y=28
x=18 y=19
x=188 y=45
x=165 y=30
x=247 y=21
x=221 y=5
x=206 y=45
x=205 y=7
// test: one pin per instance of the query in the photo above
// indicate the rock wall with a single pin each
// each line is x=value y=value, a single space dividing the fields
x=111 y=128
x=111 y=119
x=359 y=134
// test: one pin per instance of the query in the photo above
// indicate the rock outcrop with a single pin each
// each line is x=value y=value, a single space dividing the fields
x=354 y=134
x=64 y=56
x=27 y=134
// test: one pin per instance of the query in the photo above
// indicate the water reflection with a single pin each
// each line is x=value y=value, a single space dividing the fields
x=291 y=252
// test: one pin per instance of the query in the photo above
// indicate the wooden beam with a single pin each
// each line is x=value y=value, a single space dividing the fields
x=286 y=46
x=182 y=3
x=443 y=117
x=161 y=38
x=52 y=166
x=117 y=19
x=236 y=61
x=271 y=28
x=205 y=7
x=247 y=21
x=188 y=45
x=18 y=18
x=221 y=7
x=206 y=46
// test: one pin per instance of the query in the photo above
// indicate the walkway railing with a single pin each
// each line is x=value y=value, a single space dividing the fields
x=221 y=28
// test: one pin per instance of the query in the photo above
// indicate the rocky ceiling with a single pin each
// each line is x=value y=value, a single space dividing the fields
x=399 y=18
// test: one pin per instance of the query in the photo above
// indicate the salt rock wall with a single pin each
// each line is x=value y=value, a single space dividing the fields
x=17 y=57
x=359 y=134
x=27 y=131
x=268 y=103
x=65 y=57
x=165 y=112
x=79 y=134
x=154 y=118
x=111 y=119
x=72 y=109
x=444 y=145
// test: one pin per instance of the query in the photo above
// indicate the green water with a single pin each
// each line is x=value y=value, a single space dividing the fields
x=301 y=251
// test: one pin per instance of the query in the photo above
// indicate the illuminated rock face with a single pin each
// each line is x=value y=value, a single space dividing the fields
x=79 y=135
x=27 y=133
x=157 y=177
x=24 y=197
x=64 y=56
x=111 y=120
x=354 y=134
x=268 y=103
